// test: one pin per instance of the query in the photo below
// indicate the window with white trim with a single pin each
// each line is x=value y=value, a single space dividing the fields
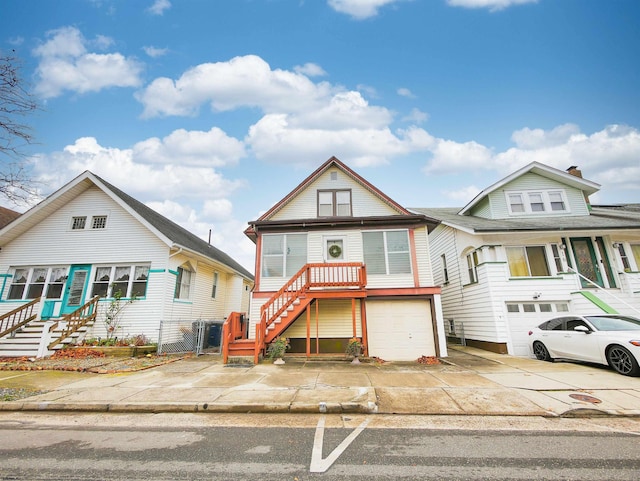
x=387 y=252
x=445 y=271
x=183 y=283
x=635 y=250
x=214 y=288
x=472 y=267
x=33 y=282
x=557 y=257
x=527 y=261
x=536 y=202
x=128 y=280
x=283 y=254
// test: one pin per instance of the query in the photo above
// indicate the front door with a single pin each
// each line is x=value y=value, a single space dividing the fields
x=586 y=261
x=75 y=288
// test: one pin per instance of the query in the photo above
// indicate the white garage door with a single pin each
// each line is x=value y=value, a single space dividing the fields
x=400 y=330
x=526 y=315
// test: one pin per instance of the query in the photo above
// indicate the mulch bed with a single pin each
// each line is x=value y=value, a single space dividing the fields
x=85 y=360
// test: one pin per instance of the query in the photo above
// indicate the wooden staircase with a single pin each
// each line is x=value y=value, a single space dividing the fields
x=38 y=338
x=326 y=280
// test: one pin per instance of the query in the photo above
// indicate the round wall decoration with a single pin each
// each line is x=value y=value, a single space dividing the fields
x=335 y=251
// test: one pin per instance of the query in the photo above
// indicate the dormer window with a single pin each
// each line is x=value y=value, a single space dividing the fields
x=535 y=202
x=334 y=203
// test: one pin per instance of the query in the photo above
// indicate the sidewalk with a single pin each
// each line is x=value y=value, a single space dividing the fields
x=469 y=382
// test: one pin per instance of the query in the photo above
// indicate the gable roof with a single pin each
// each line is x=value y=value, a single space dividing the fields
x=166 y=230
x=584 y=185
x=331 y=163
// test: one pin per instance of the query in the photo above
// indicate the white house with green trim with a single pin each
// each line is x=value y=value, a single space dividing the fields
x=530 y=247
x=89 y=238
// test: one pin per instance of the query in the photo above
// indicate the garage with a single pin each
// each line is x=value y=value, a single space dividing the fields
x=400 y=330
x=522 y=317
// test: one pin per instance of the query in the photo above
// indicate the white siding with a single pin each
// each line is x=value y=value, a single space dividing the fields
x=304 y=205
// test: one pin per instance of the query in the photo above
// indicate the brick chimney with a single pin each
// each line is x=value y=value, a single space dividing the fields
x=573 y=170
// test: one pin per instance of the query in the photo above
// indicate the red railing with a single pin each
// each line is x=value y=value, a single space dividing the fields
x=76 y=320
x=232 y=329
x=20 y=316
x=345 y=275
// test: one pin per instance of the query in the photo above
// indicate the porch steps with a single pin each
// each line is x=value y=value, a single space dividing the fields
x=26 y=342
x=598 y=302
x=287 y=318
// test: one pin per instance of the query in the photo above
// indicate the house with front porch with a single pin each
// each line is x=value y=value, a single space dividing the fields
x=338 y=259
x=528 y=247
x=89 y=243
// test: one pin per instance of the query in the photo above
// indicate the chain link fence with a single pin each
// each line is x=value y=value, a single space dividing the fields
x=199 y=336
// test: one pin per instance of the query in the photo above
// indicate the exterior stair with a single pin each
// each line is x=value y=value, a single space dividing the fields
x=27 y=341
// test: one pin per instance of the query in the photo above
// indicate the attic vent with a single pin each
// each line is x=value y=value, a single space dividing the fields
x=78 y=223
x=334 y=175
x=99 y=222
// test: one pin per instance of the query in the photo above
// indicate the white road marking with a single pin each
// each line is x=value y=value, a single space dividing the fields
x=319 y=465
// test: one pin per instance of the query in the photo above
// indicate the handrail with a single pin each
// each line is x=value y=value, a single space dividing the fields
x=604 y=291
x=312 y=276
x=232 y=329
x=76 y=320
x=17 y=318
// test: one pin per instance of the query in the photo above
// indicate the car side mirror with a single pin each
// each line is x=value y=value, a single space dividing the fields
x=584 y=329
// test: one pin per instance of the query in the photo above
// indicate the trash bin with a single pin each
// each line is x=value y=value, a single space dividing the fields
x=213 y=335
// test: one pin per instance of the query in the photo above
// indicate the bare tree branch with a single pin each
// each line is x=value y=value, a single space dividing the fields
x=16 y=102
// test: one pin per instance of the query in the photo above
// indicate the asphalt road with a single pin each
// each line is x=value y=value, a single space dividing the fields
x=110 y=447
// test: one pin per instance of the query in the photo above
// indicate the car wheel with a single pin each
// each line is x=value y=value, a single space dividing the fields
x=622 y=361
x=541 y=352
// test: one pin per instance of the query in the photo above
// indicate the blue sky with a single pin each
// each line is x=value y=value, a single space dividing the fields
x=212 y=111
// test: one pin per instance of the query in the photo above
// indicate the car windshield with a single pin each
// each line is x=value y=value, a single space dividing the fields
x=617 y=323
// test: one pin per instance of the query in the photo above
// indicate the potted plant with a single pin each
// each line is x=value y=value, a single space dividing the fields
x=277 y=348
x=354 y=350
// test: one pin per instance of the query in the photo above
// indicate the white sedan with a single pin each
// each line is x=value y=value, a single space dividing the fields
x=610 y=339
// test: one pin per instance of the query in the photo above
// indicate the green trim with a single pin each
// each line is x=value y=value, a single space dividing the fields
x=6 y=275
x=175 y=273
x=182 y=301
x=598 y=302
x=155 y=271
x=491 y=262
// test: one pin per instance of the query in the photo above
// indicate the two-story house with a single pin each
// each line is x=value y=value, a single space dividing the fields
x=528 y=247
x=337 y=259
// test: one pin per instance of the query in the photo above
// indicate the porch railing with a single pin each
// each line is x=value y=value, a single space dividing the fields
x=19 y=317
x=232 y=329
x=603 y=291
x=75 y=321
x=317 y=276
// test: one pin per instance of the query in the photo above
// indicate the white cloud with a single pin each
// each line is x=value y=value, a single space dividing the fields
x=65 y=64
x=537 y=138
x=463 y=195
x=158 y=7
x=190 y=148
x=155 y=52
x=404 y=92
x=16 y=41
x=492 y=5
x=245 y=81
x=416 y=116
x=360 y=9
x=310 y=70
x=608 y=157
